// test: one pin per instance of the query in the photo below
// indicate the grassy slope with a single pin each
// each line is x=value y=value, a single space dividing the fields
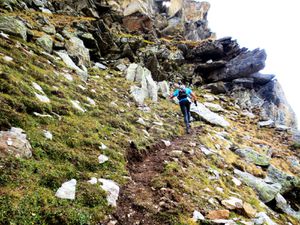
x=28 y=186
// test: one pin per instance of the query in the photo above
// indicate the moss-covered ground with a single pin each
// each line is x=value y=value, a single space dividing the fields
x=28 y=186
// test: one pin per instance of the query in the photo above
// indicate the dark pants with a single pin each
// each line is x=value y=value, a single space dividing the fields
x=185 y=109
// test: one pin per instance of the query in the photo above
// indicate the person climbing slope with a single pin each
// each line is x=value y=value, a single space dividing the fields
x=185 y=96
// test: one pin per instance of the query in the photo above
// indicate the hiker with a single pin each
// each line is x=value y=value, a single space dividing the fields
x=185 y=96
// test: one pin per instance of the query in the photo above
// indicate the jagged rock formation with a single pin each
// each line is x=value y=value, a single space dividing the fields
x=63 y=70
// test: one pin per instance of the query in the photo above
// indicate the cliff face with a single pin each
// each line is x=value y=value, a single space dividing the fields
x=89 y=136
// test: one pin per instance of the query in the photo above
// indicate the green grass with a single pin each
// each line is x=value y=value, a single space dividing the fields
x=29 y=185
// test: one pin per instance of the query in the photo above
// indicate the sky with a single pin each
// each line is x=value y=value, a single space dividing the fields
x=266 y=24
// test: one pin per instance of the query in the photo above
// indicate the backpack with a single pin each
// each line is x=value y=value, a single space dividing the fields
x=182 y=94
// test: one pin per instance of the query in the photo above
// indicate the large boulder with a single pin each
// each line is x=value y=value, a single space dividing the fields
x=276 y=106
x=148 y=87
x=45 y=42
x=13 y=26
x=252 y=156
x=266 y=192
x=287 y=181
x=78 y=51
x=14 y=142
x=204 y=113
x=241 y=66
x=261 y=79
x=207 y=50
x=69 y=62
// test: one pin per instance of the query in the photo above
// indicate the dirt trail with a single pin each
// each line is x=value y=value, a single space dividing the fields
x=139 y=201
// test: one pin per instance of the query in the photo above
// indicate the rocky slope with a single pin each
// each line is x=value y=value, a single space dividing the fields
x=88 y=136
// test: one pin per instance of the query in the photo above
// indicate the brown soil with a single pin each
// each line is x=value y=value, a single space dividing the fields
x=139 y=201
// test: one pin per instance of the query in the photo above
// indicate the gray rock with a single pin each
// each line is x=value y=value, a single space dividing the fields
x=14 y=142
x=213 y=107
x=244 y=82
x=287 y=181
x=252 y=156
x=13 y=26
x=143 y=76
x=207 y=115
x=266 y=192
x=67 y=190
x=45 y=42
x=263 y=219
x=241 y=66
x=261 y=79
x=268 y=123
x=59 y=37
x=49 y=29
x=279 y=127
x=112 y=190
x=217 y=88
x=164 y=89
x=76 y=49
x=100 y=66
x=276 y=106
x=69 y=62
x=282 y=204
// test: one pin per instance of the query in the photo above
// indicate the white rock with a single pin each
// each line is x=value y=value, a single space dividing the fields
x=4 y=35
x=164 y=88
x=93 y=180
x=103 y=146
x=44 y=10
x=224 y=222
x=281 y=127
x=167 y=143
x=42 y=115
x=37 y=87
x=48 y=134
x=112 y=189
x=192 y=144
x=213 y=107
x=158 y=123
x=143 y=76
x=7 y=58
x=220 y=189
x=208 y=115
x=91 y=101
x=114 y=104
x=81 y=87
x=146 y=133
x=233 y=203
x=77 y=106
x=267 y=123
x=42 y=98
x=100 y=66
x=69 y=62
x=263 y=219
x=9 y=142
x=209 y=98
x=102 y=159
x=248 y=114
x=68 y=76
x=121 y=67
x=236 y=181
x=197 y=216
x=67 y=190
x=141 y=121
x=206 y=151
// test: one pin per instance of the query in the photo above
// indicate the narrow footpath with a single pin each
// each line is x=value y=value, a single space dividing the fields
x=139 y=201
